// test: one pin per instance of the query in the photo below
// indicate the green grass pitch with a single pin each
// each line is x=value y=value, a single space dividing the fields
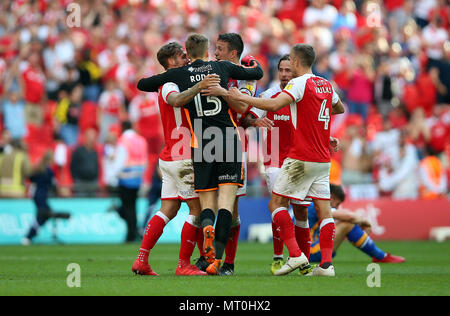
x=106 y=270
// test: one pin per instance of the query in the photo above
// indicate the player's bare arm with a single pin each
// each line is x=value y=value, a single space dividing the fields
x=151 y=84
x=273 y=104
x=219 y=91
x=182 y=98
x=338 y=108
x=250 y=120
x=346 y=216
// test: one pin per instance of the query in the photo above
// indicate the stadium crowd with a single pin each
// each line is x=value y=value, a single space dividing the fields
x=67 y=87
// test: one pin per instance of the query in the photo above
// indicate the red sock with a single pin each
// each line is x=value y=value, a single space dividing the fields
x=302 y=235
x=154 y=230
x=200 y=240
x=326 y=239
x=231 y=246
x=188 y=241
x=284 y=221
x=277 y=242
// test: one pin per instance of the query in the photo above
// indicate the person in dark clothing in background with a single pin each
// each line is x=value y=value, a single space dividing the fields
x=84 y=166
x=43 y=178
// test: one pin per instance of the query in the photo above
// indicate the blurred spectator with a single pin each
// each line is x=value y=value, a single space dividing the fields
x=434 y=37
x=14 y=105
x=90 y=75
x=355 y=157
x=432 y=177
x=111 y=108
x=418 y=131
x=144 y=114
x=84 y=165
x=383 y=91
x=5 y=142
x=399 y=178
x=318 y=20
x=129 y=167
x=440 y=74
x=15 y=168
x=422 y=10
x=360 y=92
x=439 y=125
x=321 y=67
x=385 y=145
x=335 y=172
x=68 y=113
x=34 y=89
x=61 y=167
x=346 y=18
x=109 y=155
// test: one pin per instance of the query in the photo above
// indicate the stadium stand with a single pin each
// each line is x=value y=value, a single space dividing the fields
x=389 y=61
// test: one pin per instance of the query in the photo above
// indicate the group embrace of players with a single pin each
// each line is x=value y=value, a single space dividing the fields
x=205 y=106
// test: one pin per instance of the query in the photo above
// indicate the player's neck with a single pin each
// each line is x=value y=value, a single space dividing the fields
x=304 y=71
x=200 y=58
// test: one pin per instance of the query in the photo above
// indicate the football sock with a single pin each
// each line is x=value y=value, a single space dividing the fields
x=326 y=240
x=200 y=240
x=152 y=233
x=223 y=227
x=359 y=238
x=188 y=239
x=277 y=242
x=282 y=219
x=302 y=235
x=207 y=217
x=233 y=239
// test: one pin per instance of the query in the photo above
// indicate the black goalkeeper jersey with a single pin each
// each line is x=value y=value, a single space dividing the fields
x=206 y=111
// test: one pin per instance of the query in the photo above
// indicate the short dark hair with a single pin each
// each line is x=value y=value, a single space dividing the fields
x=170 y=50
x=126 y=125
x=234 y=42
x=197 y=45
x=305 y=53
x=285 y=57
x=337 y=191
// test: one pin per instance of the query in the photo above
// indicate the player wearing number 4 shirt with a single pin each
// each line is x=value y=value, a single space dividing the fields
x=305 y=173
x=217 y=150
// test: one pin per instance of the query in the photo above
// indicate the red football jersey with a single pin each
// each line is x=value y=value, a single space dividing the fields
x=313 y=98
x=144 y=110
x=274 y=157
x=247 y=87
x=34 y=82
x=176 y=130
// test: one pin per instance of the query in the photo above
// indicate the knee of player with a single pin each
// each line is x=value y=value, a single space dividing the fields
x=170 y=209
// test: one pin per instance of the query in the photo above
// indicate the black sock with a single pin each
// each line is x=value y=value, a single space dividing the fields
x=207 y=217
x=223 y=227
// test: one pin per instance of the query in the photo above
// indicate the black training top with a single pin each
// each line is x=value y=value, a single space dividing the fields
x=211 y=110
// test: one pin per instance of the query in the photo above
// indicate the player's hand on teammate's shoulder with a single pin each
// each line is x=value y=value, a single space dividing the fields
x=214 y=90
x=236 y=95
x=210 y=80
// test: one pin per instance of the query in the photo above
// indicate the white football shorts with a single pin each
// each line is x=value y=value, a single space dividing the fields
x=271 y=177
x=177 y=179
x=303 y=180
